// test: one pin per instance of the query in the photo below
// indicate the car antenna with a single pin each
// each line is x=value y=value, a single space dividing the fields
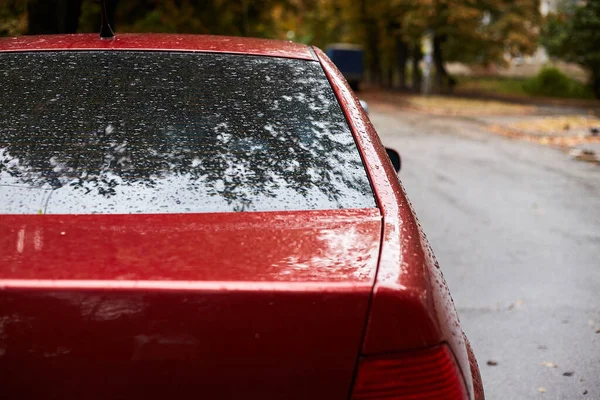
x=106 y=31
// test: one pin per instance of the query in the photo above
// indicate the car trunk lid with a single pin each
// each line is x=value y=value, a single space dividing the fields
x=253 y=305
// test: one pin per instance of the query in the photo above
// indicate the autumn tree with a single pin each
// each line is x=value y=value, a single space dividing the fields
x=573 y=35
x=474 y=31
x=468 y=31
x=13 y=17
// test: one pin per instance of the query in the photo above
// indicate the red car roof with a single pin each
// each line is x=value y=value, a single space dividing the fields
x=153 y=41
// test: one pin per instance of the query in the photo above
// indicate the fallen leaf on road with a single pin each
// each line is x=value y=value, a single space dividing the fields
x=569 y=373
x=542 y=347
x=586 y=155
x=564 y=142
x=492 y=363
x=516 y=304
x=598 y=330
x=549 y=364
x=557 y=125
x=441 y=105
x=542 y=389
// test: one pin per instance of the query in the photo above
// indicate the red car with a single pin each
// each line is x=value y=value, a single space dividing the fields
x=208 y=217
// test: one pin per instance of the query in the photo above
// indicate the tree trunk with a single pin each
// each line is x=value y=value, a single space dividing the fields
x=244 y=25
x=417 y=55
x=438 y=61
x=596 y=82
x=370 y=25
x=390 y=77
x=443 y=82
x=373 y=49
x=46 y=17
x=401 y=55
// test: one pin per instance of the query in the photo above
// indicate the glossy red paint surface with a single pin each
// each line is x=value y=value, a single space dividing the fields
x=210 y=302
x=411 y=305
x=217 y=344
x=305 y=246
x=160 y=42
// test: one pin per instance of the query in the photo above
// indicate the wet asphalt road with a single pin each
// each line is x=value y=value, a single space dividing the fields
x=516 y=228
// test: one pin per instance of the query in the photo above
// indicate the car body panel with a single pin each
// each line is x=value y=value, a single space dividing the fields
x=411 y=305
x=217 y=344
x=290 y=246
x=167 y=304
x=159 y=42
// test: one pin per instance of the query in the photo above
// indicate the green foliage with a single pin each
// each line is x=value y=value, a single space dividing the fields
x=88 y=20
x=264 y=18
x=574 y=35
x=477 y=31
x=13 y=18
x=493 y=85
x=551 y=82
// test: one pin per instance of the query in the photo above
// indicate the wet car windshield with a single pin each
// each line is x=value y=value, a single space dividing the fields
x=170 y=132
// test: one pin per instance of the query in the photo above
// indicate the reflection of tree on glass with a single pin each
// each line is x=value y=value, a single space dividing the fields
x=174 y=132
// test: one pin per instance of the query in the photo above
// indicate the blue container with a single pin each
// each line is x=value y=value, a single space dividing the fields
x=349 y=60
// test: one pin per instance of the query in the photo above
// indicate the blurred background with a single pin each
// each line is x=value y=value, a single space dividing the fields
x=491 y=46
x=493 y=106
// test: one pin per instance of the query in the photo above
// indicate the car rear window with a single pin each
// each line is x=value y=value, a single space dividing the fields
x=169 y=132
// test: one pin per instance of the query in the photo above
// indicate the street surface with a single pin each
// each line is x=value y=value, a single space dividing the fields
x=516 y=229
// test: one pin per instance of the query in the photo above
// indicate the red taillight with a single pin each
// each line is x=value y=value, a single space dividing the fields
x=424 y=374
